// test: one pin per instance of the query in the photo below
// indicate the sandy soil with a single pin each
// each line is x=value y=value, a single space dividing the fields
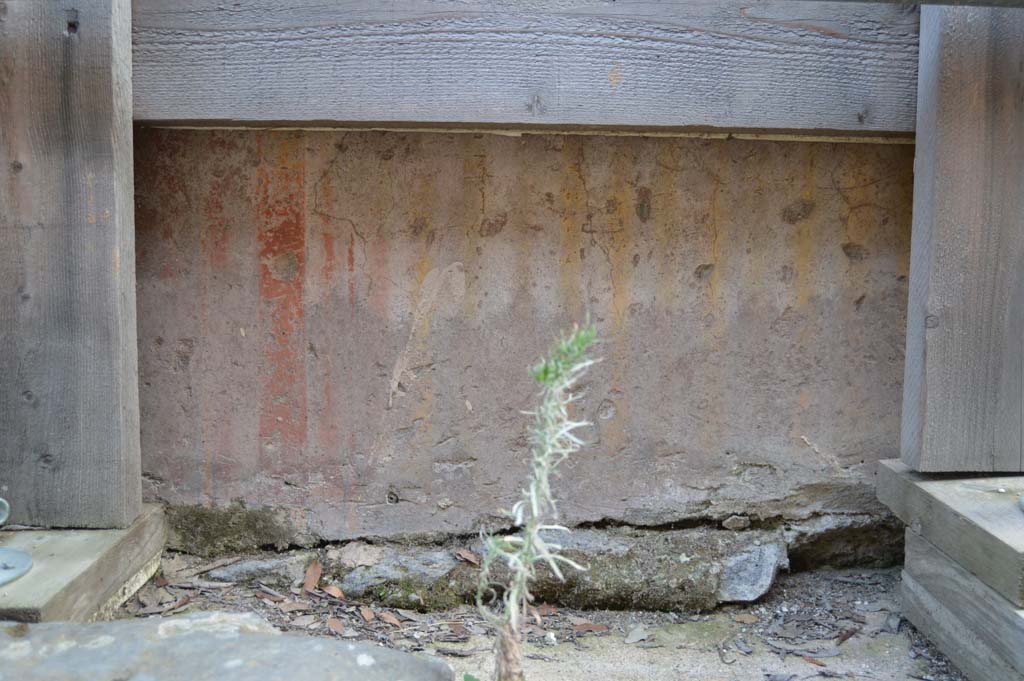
x=842 y=624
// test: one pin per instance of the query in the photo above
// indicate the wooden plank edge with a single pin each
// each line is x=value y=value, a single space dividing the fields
x=995 y=619
x=897 y=488
x=957 y=641
x=827 y=136
x=113 y=574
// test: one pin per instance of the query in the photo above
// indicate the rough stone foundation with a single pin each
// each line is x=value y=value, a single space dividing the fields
x=334 y=329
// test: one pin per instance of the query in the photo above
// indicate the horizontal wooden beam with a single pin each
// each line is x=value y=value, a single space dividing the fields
x=686 y=65
x=987 y=617
x=973 y=520
x=962 y=3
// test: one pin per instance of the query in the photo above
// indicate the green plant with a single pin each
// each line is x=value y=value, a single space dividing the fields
x=553 y=440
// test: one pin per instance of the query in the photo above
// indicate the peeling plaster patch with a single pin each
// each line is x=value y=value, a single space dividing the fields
x=451 y=281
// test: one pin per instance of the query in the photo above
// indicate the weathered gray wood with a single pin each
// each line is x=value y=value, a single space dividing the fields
x=687 y=64
x=965 y=3
x=69 y=428
x=957 y=639
x=81 y=575
x=969 y=519
x=992 y=618
x=963 y=405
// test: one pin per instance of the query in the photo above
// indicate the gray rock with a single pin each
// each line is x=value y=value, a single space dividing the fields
x=279 y=569
x=736 y=522
x=749 y=574
x=399 y=564
x=203 y=647
x=679 y=570
x=356 y=554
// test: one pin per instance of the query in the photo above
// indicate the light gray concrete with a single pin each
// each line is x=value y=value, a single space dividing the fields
x=677 y=570
x=203 y=647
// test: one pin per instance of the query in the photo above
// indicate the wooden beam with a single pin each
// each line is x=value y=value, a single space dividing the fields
x=997 y=622
x=82 y=575
x=689 y=65
x=966 y=647
x=963 y=399
x=975 y=521
x=963 y=3
x=69 y=419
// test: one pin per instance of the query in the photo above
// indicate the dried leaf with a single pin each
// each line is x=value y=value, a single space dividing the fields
x=304 y=620
x=177 y=606
x=333 y=591
x=846 y=635
x=367 y=613
x=390 y=619
x=165 y=609
x=172 y=567
x=293 y=606
x=411 y=615
x=336 y=625
x=220 y=562
x=267 y=590
x=203 y=584
x=746 y=618
x=589 y=627
x=468 y=556
x=273 y=598
x=813 y=661
x=313 y=573
x=148 y=596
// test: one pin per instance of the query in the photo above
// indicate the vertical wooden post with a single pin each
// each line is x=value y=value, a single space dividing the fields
x=69 y=414
x=963 y=394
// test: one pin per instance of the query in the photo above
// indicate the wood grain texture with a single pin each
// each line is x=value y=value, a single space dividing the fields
x=975 y=521
x=997 y=621
x=965 y=3
x=78 y=575
x=69 y=428
x=968 y=648
x=963 y=407
x=769 y=65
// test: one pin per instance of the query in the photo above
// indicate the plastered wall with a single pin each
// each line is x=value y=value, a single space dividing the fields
x=337 y=325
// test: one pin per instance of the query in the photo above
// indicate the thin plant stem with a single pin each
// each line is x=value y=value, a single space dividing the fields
x=553 y=440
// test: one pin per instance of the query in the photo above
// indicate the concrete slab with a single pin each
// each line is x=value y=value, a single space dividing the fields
x=210 y=646
x=82 y=575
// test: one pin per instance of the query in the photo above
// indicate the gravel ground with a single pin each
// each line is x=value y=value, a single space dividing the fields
x=841 y=624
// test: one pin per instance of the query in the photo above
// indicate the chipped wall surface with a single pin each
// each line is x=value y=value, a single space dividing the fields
x=337 y=325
